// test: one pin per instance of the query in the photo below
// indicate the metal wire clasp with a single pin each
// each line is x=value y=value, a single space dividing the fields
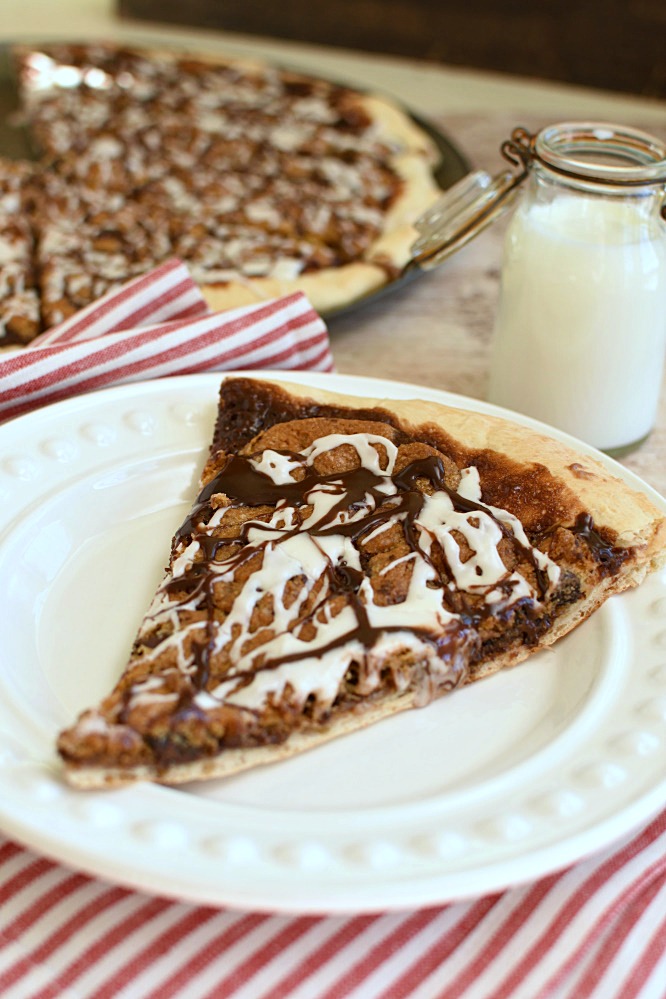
x=471 y=205
x=519 y=151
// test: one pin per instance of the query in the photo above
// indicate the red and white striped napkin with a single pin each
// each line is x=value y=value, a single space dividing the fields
x=159 y=325
x=595 y=931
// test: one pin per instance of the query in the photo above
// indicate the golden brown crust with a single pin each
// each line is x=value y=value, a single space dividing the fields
x=327 y=290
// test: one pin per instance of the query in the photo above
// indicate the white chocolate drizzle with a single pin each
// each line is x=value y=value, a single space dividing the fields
x=312 y=639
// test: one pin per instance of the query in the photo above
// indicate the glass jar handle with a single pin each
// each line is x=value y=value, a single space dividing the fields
x=471 y=205
x=476 y=201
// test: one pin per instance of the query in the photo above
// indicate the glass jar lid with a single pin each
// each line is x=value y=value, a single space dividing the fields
x=602 y=154
x=592 y=153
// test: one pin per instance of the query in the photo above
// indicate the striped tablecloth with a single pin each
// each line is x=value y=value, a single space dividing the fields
x=595 y=930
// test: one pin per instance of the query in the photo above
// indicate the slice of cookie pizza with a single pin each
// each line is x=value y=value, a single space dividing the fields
x=346 y=559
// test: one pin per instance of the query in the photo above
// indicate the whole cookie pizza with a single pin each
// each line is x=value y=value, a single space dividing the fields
x=262 y=180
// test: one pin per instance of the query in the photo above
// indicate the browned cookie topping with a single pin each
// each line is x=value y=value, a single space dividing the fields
x=245 y=171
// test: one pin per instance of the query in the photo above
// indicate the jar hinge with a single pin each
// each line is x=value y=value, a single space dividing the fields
x=468 y=207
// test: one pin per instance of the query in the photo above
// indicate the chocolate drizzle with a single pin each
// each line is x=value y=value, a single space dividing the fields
x=609 y=556
x=246 y=486
x=360 y=488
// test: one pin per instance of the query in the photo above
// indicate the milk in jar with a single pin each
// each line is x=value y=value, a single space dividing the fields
x=581 y=328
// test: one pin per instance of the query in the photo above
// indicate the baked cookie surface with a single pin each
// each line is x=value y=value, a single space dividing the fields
x=262 y=180
x=346 y=559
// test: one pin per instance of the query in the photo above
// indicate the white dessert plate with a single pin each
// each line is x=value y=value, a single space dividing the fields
x=503 y=782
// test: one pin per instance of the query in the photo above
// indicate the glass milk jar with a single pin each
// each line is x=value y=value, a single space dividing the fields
x=581 y=327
